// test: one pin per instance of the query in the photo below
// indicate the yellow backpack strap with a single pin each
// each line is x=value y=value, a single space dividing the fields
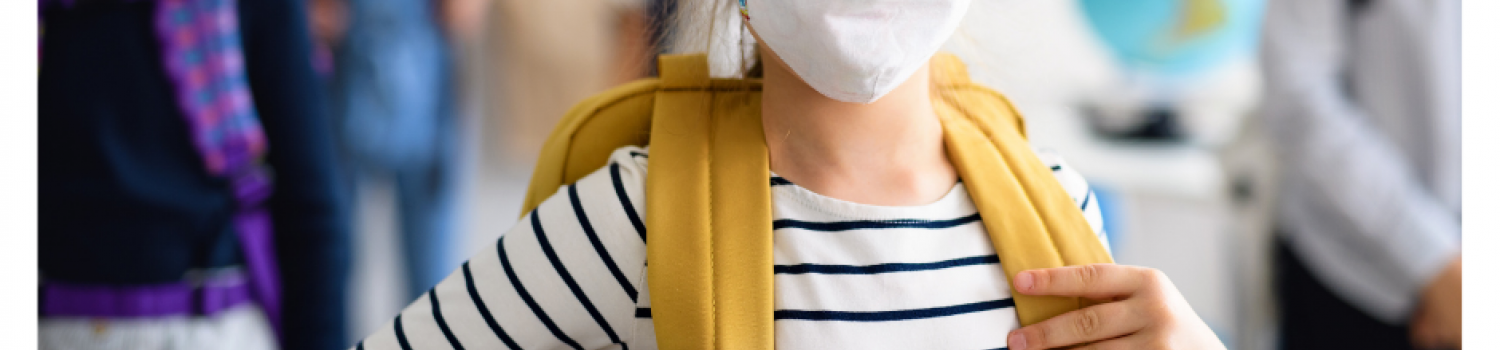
x=1032 y=221
x=708 y=213
x=584 y=138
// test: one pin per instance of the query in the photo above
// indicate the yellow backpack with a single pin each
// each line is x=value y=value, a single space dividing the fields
x=708 y=203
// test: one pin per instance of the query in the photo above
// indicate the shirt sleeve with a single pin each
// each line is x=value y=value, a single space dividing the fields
x=1078 y=188
x=1356 y=210
x=566 y=276
x=308 y=211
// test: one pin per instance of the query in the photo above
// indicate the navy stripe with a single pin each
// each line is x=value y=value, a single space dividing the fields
x=643 y=312
x=635 y=220
x=484 y=312
x=884 y=268
x=360 y=346
x=588 y=229
x=897 y=315
x=872 y=224
x=562 y=271
x=639 y=154
x=401 y=335
x=437 y=315
x=515 y=282
x=1056 y=167
x=1086 y=197
x=1002 y=348
x=779 y=181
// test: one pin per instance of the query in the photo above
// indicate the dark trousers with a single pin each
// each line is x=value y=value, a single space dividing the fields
x=1313 y=317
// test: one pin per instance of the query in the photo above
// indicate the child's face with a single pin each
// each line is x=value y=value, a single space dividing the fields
x=852 y=50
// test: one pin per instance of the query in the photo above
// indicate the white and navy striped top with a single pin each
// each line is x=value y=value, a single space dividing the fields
x=572 y=274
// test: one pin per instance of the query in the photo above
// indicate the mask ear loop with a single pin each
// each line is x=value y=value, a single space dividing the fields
x=745 y=13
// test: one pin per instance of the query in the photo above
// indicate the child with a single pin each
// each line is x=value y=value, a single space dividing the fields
x=877 y=243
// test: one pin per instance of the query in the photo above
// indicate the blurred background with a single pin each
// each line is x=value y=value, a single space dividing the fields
x=438 y=109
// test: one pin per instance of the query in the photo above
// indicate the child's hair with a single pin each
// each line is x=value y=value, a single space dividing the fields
x=714 y=27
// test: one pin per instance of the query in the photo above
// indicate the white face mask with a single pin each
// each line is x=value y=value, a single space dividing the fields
x=854 y=50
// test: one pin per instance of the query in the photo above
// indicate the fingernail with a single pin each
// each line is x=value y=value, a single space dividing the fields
x=1023 y=281
x=1017 y=341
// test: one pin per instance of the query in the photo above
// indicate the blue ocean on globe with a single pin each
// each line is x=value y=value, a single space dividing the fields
x=1154 y=36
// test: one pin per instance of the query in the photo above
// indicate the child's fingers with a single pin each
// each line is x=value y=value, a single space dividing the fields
x=1091 y=324
x=1096 y=281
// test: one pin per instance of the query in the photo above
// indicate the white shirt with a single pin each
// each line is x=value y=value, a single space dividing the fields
x=1362 y=103
x=572 y=274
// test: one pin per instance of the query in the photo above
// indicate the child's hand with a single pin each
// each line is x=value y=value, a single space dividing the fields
x=1144 y=311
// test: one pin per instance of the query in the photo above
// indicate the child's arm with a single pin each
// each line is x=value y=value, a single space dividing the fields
x=566 y=276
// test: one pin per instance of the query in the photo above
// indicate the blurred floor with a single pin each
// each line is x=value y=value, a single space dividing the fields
x=375 y=284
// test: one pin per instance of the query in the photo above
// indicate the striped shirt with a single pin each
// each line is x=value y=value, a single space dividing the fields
x=572 y=274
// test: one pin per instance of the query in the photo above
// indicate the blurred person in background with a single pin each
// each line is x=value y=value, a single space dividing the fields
x=1362 y=102
x=188 y=185
x=393 y=98
x=544 y=56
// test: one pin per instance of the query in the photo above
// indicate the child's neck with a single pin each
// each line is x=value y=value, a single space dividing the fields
x=889 y=152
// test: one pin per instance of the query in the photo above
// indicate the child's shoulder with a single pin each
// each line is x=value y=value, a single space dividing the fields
x=1071 y=180
x=630 y=159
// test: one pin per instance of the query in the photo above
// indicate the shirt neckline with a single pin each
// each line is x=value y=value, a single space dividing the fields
x=956 y=201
